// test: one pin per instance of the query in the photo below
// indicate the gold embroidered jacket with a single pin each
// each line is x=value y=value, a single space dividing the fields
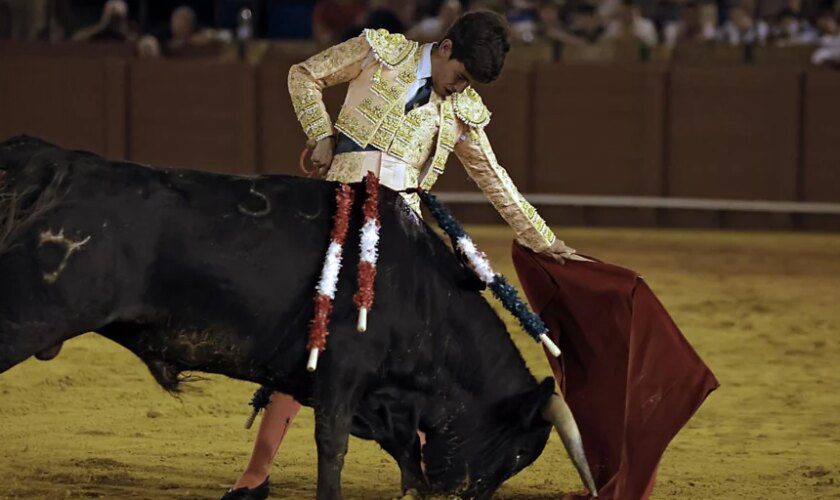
x=380 y=67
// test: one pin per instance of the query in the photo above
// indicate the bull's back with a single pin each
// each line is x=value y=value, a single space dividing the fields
x=210 y=252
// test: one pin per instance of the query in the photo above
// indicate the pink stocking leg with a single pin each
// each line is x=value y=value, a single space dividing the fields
x=275 y=422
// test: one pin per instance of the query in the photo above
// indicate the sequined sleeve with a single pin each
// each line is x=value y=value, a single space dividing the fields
x=307 y=80
x=477 y=156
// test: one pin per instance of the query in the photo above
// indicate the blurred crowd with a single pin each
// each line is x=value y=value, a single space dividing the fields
x=160 y=28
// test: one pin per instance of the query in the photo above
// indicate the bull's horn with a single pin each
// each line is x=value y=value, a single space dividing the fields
x=560 y=415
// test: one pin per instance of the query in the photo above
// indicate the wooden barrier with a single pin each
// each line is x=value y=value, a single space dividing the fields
x=790 y=57
x=740 y=133
x=76 y=103
x=281 y=138
x=598 y=130
x=733 y=134
x=194 y=114
x=716 y=54
x=75 y=50
x=821 y=137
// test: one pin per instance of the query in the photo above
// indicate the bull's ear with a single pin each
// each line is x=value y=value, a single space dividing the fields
x=527 y=407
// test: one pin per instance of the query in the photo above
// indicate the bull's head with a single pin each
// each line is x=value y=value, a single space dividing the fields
x=474 y=455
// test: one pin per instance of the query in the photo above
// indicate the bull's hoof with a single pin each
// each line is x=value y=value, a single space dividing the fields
x=409 y=495
x=258 y=493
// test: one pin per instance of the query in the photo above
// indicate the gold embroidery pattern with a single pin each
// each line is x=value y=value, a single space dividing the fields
x=415 y=135
x=354 y=128
x=470 y=109
x=382 y=110
x=483 y=167
x=530 y=212
x=445 y=143
x=306 y=81
x=344 y=169
x=390 y=49
x=370 y=110
x=314 y=124
x=388 y=90
x=384 y=135
x=412 y=199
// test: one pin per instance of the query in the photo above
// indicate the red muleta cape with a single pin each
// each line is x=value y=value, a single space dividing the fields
x=628 y=374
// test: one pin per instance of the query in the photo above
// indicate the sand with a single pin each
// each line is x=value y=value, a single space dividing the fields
x=762 y=309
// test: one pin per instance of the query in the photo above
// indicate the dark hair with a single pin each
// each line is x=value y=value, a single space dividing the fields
x=480 y=42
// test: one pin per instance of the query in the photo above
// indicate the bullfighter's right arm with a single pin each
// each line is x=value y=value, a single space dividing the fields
x=338 y=64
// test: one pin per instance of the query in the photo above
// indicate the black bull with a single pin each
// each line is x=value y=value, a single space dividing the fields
x=193 y=271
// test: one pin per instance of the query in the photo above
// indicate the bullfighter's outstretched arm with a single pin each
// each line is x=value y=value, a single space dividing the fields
x=307 y=80
x=475 y=153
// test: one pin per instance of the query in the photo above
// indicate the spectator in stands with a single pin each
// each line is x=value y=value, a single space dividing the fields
x=114 y=25
x=742 y=29
x=630 y=25
x=522 y=19
x=550 y=25
x=584 y=26
x=497 y=6
x=691 y=27
x=376 y=18
x=182 y=26
x=148 y=47
x=827 y=28
x=16 y=19
x=48 y=20
x=829 y=36
x=184 y=32
x=405 y=10
x=769 y=9
x=608 y=9
x=436 y=22
x=789 y=28
x=332 y=18
x=27 y=20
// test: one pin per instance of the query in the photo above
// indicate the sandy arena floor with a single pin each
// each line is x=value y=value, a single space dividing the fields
x=762 y=309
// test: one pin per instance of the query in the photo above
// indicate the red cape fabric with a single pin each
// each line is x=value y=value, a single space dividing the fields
x=628 y=374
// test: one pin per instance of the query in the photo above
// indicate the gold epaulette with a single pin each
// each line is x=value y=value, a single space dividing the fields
x=470 y=109
x=390 y=49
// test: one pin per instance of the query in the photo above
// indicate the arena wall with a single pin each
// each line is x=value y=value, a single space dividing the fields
x=767 y=131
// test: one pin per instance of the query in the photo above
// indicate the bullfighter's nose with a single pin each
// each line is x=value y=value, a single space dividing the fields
x=50 y=352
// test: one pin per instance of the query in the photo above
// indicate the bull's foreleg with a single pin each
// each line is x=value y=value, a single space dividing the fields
x=332 y=430
x=408 y=459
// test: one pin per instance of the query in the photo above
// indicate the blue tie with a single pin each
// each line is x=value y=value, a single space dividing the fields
x=421 y=97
